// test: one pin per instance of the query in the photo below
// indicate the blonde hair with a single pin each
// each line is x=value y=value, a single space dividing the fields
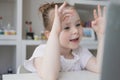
x=45 y=9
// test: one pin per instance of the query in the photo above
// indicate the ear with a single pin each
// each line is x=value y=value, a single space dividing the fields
x=47 y=34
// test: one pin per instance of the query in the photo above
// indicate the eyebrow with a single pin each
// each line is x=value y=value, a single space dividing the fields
x=67 y=23
x=78 y=20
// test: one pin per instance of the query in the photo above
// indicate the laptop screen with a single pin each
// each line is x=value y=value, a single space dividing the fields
x=111 y=58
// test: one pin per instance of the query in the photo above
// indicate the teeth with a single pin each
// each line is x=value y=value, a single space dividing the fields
x=74 y=39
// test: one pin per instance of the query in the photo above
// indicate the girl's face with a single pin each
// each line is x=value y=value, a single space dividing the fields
x=71 y=32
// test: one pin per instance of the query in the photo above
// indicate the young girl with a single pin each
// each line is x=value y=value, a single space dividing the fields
x=62 y=51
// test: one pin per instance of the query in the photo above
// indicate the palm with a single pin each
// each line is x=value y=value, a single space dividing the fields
x=98 y=23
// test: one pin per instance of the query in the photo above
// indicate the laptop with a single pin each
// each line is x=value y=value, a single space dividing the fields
x=111 y=56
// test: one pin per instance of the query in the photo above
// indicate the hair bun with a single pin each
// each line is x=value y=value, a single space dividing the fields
x=46 y=6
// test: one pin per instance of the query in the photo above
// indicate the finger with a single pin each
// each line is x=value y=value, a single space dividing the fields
x=93 y=23
x=56 y=13
x=56 y=22
x=99 y=11
x=104 y=11
x=56 y=10
x=67 y=16
x=95 y=14
x=62 y=7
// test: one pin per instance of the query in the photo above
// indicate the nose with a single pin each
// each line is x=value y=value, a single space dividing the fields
x=75 y=30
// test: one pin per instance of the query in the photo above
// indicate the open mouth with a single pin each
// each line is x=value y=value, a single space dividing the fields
x=74 y=40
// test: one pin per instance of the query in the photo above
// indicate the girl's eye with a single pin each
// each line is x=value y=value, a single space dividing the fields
x=77 y=25
x=66 y=28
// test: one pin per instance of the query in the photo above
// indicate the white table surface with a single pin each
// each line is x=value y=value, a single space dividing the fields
x=80 y=75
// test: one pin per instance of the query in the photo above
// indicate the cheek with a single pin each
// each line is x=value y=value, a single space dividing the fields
x=64 y=37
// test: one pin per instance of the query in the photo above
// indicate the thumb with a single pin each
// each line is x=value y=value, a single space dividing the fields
x=93 y=23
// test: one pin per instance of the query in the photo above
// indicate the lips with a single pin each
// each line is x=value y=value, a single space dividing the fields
x=76 y=39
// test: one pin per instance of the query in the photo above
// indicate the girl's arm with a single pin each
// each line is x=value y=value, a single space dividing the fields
x=50 y=63
x=98 y=24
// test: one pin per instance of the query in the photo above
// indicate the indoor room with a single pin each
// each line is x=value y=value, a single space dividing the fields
x=23 y=30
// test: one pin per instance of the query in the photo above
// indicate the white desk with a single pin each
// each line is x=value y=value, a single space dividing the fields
x=80 y=75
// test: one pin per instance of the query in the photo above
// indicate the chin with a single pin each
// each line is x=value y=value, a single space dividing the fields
x=74 y=47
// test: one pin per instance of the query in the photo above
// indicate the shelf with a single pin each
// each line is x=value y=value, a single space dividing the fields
x=30 y=13
x=8 y=42
x=7 y=1
x=33 y=42
x=8 y=37
x=8 y=10
x=7 y=58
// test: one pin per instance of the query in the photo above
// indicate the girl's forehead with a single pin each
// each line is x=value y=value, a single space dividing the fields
x=68 y=18
x=71 y=17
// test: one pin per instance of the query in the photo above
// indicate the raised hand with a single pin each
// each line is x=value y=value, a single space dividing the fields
x=61 y=13
x=57 y=20
x=98 y=24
